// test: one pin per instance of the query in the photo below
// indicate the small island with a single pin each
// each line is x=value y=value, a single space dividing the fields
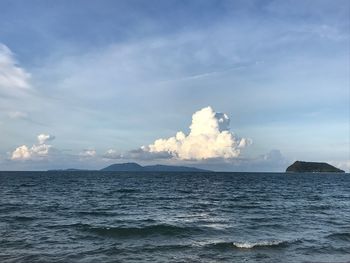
x=312 y=167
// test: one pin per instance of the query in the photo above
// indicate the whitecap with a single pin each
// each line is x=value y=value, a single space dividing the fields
x=264 y=243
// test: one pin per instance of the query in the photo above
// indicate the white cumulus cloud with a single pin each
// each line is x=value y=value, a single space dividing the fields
x=37 y=151
x=43 y=138
x=21 y=153
x=209 y=137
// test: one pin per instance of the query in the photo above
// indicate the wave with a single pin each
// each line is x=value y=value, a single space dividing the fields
x=127 y=190
x=151 y=230
x=184 y=191
x=344 y=236
x=27 y=185
x=100 y=213
x=164 y=248
x=23 y=218
x=252 y=245
x=18 y=218
x=249 y=245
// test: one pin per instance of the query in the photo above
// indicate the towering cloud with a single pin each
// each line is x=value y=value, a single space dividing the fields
x=209 y=137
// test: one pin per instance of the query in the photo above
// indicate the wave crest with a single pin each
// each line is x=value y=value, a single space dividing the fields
x=249 y=245
x=252 y=245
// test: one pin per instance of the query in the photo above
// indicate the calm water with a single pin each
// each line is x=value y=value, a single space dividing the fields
x=174 y=217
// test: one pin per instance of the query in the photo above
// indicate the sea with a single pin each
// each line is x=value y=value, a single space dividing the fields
x=86 y=216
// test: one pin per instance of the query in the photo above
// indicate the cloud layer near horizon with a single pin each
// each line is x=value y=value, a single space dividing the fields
x=209 y=137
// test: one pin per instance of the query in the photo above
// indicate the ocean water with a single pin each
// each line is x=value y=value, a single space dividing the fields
x=174 y=217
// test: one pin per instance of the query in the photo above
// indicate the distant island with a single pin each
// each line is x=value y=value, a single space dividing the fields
x=135 y=167
x=312 y=167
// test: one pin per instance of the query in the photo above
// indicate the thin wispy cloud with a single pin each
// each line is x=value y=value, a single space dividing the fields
x=13 y=78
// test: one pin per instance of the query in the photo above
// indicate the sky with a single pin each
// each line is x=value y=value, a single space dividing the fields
x=223 y=85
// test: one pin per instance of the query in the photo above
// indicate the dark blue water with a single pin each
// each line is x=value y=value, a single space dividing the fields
x=174 y=217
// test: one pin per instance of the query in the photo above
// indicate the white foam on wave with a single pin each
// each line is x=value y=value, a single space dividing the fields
x=249 y=245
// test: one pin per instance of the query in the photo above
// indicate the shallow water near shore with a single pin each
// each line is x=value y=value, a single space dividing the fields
x=174 y=217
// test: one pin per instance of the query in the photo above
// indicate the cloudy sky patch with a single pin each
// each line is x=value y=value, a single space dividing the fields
x=123 y=74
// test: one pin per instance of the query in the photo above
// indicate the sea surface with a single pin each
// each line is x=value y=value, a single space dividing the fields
x=174 y=217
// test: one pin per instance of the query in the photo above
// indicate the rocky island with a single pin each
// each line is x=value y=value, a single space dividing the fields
x=312 y=167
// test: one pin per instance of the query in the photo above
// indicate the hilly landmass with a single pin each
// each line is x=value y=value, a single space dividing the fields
x=135 y=167
x=312 y=167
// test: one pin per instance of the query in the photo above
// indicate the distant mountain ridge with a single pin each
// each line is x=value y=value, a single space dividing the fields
x=312 y=167
x=135 y=167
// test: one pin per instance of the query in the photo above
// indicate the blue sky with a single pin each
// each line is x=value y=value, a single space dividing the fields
x=104 y=78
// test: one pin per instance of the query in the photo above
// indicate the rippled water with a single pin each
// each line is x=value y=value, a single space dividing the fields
x=174 y=217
